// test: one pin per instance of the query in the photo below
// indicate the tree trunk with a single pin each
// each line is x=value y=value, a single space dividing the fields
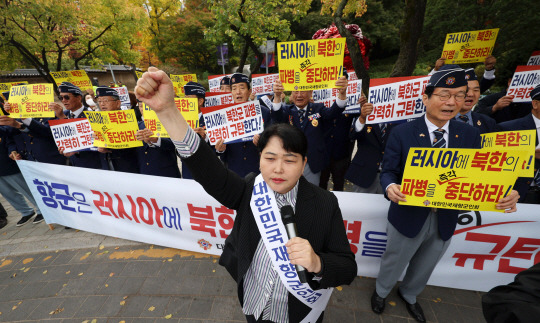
x=410 y=32
x=354 y=48
x=243 y=58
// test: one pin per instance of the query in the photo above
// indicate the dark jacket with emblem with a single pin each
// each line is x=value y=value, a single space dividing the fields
x=39 y=143
x=484 y=123
x=86 y=159
x=318 y=219
x=408 y=220
x=317 y=154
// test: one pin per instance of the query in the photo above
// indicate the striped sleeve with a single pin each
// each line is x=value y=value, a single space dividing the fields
x=188 y=146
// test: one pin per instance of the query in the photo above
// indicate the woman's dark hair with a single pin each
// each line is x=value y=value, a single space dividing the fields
x=292 y=138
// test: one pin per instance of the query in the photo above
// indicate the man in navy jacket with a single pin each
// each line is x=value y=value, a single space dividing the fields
x=419 y=236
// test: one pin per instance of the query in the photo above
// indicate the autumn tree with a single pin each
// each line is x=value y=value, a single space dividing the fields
x=62 y=34
x=249 y=23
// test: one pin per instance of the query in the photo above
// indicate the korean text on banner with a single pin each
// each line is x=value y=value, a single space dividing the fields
x=178 y=213
x=328 y=96
x=311 y=64
x=469 y=46
x=525 y=78
x=114 y=129
x=31 y=101
x=524 y=140
x=218 y=98
x=180 y=80
x=263 y=83
x=534 y=59
x=214 y=82
x=396 y=98
x=72 y=134
x=5 y=87
x=463 y=179
x=123 y=93
x=233 y=123
x=77 y=78
x=186 y=106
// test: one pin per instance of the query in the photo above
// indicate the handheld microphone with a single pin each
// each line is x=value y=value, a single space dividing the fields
x=287 y=215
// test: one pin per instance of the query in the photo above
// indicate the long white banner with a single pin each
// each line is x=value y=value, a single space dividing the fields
x=487 y=249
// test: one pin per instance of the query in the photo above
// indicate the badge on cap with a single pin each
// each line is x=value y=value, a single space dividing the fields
x=451 y=80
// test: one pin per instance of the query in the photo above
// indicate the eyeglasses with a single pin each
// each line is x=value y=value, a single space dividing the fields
x=445 y=97
x=64 y=97
x=105 y=101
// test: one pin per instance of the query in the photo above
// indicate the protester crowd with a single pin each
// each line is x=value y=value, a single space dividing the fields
x=417 y=237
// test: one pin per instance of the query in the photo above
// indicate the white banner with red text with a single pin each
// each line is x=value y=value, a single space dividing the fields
x=487 y=249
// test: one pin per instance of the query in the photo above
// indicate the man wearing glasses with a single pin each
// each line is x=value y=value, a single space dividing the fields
x=417 y=237
x=121 y=160
x=71 y=97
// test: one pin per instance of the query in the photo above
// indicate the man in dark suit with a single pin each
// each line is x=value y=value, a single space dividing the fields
x=528 y=188
x=419 y=236
x=484 y=123
x=12 y=184
x=120 y=160
x=321 y=247
x=71 y=97
x=306 y=116
x=242 y=157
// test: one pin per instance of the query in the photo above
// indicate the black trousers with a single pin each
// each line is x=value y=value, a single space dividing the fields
x=338 y=169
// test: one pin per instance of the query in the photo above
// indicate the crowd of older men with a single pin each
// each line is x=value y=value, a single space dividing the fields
x=377 y=166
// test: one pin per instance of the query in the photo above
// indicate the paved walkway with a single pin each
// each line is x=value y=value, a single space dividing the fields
x=73 y=276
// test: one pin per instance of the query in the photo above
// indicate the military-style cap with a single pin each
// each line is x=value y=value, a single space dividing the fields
x=225 y=81
x=535 y=93
x=239 y=78
x=470 y=75
x=66 y=87
x=448 y=76
x=193 y=88
x=106 y=91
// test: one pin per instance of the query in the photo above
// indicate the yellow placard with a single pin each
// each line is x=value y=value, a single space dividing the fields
x=463 y=179
x=180 y=80
x=186 y=106
x=311 y=64
x=77 y=78
x=139 y=74
x=5 y=87
x=31 y=101
x=469 y=46
x=524 y=140
x=114 y=129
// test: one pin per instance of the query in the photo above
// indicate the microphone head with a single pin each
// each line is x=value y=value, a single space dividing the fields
x=287 y=214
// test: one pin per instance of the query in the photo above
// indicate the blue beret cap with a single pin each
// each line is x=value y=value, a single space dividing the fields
x=66 y=87
x=470 y=75
x=192 y=88
x=535 y=93
x=106 y=91
x=225 y=81
x=239 y=78
x=448 y=76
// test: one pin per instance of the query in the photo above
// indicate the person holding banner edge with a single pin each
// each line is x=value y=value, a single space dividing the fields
x=419 y=236
x=326 y=253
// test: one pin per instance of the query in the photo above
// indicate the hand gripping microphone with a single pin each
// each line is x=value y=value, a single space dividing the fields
x=287 y=215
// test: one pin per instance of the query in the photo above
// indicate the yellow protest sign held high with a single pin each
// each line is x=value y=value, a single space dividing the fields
x=77 y=78
x=114 y=129
x=180 y=80
x=5 y=87
x=31 y=101
x=524 y=140
x=311 y=64
x=463 y=179
x=186 y=106
x=469 y=46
